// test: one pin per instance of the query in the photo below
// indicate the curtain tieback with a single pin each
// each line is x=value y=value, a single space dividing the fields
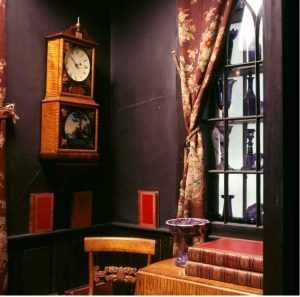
x=9 y=111
x=189 y=137
x=176 y=62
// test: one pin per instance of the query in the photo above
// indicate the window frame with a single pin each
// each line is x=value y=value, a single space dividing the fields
x=226 y=227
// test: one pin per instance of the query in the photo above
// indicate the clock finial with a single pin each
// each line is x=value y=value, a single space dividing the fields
x=78 y=24
x=78 y=33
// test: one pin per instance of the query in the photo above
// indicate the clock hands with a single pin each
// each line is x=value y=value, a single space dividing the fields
x=76 y=64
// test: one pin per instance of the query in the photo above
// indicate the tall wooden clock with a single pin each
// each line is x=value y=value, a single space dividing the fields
x=69 y=122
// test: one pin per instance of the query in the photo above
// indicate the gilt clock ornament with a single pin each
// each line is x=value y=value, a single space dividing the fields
x=69 y=111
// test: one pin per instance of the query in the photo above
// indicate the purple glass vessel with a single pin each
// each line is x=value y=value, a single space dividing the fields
x=251 y=213
x=250 y=98
x=183 y=230
x=250 y=158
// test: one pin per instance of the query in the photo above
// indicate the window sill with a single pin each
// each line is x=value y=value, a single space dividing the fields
x=245 y=231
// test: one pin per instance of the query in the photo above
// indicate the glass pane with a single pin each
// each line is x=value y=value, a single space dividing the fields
x=251 y=210
x=261 y=40
x=250 y=214
x=241 y=38
x=262 y=197
x=262 y=144
x=242 y=146
x=235 y=146
x=219 y=98
x=261 y=89
x=235 y=95
x=217 y=138
x=234 y=53
x=241 y=34
x=220 y=194
x=235 y=192
x=241 y=92
x=242 y=193
x=255 y=5
x=246 y=41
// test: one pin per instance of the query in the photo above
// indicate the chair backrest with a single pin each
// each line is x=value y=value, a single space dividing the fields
x=116 y=244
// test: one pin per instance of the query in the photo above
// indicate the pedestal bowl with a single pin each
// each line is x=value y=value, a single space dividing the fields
x=183 y=230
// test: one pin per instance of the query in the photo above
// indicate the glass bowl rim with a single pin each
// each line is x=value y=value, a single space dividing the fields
x=198 y=222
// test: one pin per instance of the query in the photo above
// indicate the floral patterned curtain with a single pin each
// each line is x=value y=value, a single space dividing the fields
x=201 y=28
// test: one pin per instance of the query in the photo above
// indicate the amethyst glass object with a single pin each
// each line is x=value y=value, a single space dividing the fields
x=220 y=96
x=250 y=158
x=251 y=213
x=250 y=98
x=183 y=230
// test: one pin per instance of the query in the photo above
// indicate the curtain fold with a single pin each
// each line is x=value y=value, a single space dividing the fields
x=201 y=30
x=4 y=112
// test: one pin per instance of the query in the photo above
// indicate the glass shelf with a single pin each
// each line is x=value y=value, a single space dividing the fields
x=244 y=65
x=237 y=120
x=236 y=171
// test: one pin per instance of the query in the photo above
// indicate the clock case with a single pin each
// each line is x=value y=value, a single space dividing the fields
x=59 y=100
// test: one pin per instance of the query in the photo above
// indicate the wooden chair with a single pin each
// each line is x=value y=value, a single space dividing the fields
x=115 y=244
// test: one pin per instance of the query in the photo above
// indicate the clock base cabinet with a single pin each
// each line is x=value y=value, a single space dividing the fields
x=69 y=129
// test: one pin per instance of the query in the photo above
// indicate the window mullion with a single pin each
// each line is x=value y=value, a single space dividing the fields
x=258 y=157
x=226 y=198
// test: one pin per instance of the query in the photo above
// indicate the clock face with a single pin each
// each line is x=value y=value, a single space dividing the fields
x=77 y=64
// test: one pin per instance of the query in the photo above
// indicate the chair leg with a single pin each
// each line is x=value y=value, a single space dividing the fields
x=148 y=259
x=91 y=274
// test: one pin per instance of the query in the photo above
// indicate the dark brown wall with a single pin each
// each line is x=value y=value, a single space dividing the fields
x=144 y=128
x=139 y=127
x=146 y=118
x=28 y=22
x=142 y=125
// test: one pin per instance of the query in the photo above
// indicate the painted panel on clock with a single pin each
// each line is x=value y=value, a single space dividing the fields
x=77 y=127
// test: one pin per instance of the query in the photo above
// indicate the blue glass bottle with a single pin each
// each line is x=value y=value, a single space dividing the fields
x=250 y=98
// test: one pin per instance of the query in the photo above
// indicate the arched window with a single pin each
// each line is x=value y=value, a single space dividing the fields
x=236 y=122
